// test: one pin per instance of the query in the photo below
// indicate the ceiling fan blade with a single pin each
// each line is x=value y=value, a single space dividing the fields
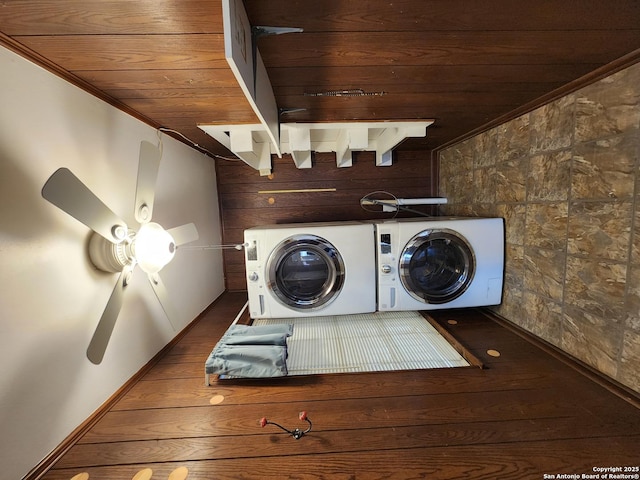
x=148 y=165
x=102 y=334
x=163 y=297
x=69 y=194
x=184 y=234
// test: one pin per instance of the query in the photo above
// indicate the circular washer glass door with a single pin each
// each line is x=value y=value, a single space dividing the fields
x=305 y=272
x=437 y=266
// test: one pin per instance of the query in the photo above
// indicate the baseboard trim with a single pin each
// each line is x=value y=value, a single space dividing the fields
x=604 y=71
x=613 y=386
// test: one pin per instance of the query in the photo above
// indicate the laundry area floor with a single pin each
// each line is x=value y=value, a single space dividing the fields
x=380 y=341
x=526 y=413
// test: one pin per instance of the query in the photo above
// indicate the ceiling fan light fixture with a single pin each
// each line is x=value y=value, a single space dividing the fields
x=109 y=256
x=153 y=247
x=113 y=247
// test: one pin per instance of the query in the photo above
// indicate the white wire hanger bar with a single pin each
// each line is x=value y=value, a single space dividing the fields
x=236 y=246
x=392 y=204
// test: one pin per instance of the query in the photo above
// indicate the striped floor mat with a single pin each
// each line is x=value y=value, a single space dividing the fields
x=380 y=341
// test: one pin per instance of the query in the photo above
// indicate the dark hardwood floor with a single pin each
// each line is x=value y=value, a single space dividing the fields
x=526 y=414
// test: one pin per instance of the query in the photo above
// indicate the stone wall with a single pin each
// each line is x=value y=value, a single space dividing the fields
x=566 y=179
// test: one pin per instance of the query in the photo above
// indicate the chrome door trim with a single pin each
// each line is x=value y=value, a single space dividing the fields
x=454 y=288
x=326 y=251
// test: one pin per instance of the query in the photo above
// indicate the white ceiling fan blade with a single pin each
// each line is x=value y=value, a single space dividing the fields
x=148 y=165
x=102 y=334
x=184 y=234
x=69 y=194
x=163 y=297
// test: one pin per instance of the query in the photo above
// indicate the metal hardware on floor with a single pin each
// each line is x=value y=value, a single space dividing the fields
x=296 y=433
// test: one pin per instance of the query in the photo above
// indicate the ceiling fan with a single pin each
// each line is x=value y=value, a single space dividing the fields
x=114 y=247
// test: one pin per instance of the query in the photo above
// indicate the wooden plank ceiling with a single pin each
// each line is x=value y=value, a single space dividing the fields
x=463 y=63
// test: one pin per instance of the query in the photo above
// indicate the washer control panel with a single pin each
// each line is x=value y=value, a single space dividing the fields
x=385 y=243
x=387 y=267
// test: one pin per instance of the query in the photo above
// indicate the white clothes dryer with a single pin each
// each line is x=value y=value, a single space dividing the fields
x=310 y=269
x=439 y=262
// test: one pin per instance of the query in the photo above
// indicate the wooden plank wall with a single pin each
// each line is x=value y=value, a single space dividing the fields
x=412 y=175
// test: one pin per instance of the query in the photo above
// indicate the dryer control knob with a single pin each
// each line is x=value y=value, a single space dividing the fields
x=253 y=276
x=386 y=268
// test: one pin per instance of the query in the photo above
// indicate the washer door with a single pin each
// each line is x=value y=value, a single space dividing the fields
x=305 y=272
x=437 y=266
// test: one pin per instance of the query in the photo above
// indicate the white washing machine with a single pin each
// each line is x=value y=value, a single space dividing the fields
x=439 y=262
x=310 y=269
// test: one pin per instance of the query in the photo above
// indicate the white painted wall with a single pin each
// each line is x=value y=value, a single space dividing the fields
x=50 y=295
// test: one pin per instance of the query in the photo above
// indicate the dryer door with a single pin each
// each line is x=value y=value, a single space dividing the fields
x=305 y=272
x=437 y=266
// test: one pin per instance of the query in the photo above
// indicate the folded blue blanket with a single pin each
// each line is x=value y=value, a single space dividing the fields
x=258 y=335
x=280 y=328
x=248 y=361
x=251 y=352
